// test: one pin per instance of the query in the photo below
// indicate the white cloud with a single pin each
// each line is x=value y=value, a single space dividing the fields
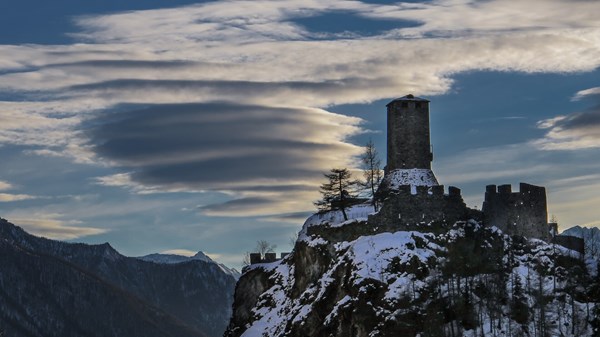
x=5 y=186
x=586 y=93
x=182 y=252
x=52 y=227
x=7 y=197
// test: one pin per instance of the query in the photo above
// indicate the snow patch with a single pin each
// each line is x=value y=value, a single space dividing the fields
x=413 y=177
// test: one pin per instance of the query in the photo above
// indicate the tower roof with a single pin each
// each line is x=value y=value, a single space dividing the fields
x=409 y=97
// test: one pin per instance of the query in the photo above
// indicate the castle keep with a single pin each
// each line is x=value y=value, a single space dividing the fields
x=408 y=144
x=410 y=193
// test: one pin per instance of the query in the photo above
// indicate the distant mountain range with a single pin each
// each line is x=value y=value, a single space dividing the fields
x=53 y=288
x=200 y=256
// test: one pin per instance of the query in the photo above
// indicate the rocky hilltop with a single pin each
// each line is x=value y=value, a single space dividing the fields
x=462 y=279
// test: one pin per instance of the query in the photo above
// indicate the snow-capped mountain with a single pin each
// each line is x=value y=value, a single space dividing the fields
x=174 y=258
x=591 y=237
x=53 y=288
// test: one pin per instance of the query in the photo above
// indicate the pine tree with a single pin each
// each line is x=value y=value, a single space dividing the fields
x=519 y=310
x=337 y=192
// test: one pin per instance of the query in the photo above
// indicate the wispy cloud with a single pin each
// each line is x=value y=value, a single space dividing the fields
x=182 y=252
x=51 y=226
x=5 y=185
x=586 y=93
x=7 y=197
x=578 y=130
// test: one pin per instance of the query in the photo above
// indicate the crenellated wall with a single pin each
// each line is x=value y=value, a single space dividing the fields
x=517 y=213
x=403 y=209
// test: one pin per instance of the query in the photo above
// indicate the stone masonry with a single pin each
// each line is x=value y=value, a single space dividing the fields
x=517 y=213
x=408 y=144
x=405 y=210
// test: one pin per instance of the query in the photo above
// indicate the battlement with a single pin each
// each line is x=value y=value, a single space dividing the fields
x=521 y=213
x=267 y=258
x=425 y=191
x=524 y=190
x=411 y=205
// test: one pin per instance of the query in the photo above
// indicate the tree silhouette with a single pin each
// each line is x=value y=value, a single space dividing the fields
x=337 y=192
x=371 y=165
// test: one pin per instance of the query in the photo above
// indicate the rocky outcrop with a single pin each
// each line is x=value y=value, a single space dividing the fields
x=459 y=282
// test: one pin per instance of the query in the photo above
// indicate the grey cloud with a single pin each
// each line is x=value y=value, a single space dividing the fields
x=581 y=121
x=236 y=205
x=239 y=88
x=129 y=64
x=218 y=146
x=575 y=131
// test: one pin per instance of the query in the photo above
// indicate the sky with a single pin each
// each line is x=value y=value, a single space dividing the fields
x=178 y=126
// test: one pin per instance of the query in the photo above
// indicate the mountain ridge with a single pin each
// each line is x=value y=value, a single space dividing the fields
x=198 y=293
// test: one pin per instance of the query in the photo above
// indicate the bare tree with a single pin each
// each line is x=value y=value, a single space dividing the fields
x=263 y=247
x=293 y=239
x=246 y=259
x=337 y=192
x=371 y=165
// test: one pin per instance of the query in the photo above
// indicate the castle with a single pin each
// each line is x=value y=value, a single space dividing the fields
x=411 y=195
x=412 y=199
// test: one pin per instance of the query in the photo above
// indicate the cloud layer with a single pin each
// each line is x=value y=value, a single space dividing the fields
x=232 y=96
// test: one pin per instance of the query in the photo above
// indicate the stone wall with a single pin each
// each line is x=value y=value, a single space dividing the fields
x=517 y=213
x=401 y=208
x=571 y=242
x=268 y=257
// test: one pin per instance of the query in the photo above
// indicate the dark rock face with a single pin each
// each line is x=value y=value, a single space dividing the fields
x=198 y=293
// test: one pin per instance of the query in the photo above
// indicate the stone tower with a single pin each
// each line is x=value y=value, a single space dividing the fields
x=408 y=143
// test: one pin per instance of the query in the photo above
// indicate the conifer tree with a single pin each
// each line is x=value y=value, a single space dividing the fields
x=337 y=192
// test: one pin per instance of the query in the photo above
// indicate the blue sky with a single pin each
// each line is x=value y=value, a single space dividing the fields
x=184 y=125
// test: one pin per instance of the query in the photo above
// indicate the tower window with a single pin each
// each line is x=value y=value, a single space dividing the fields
x=418 y=105
x=405 y=104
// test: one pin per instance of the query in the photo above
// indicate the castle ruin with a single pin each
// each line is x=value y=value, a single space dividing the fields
x=412 y=197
